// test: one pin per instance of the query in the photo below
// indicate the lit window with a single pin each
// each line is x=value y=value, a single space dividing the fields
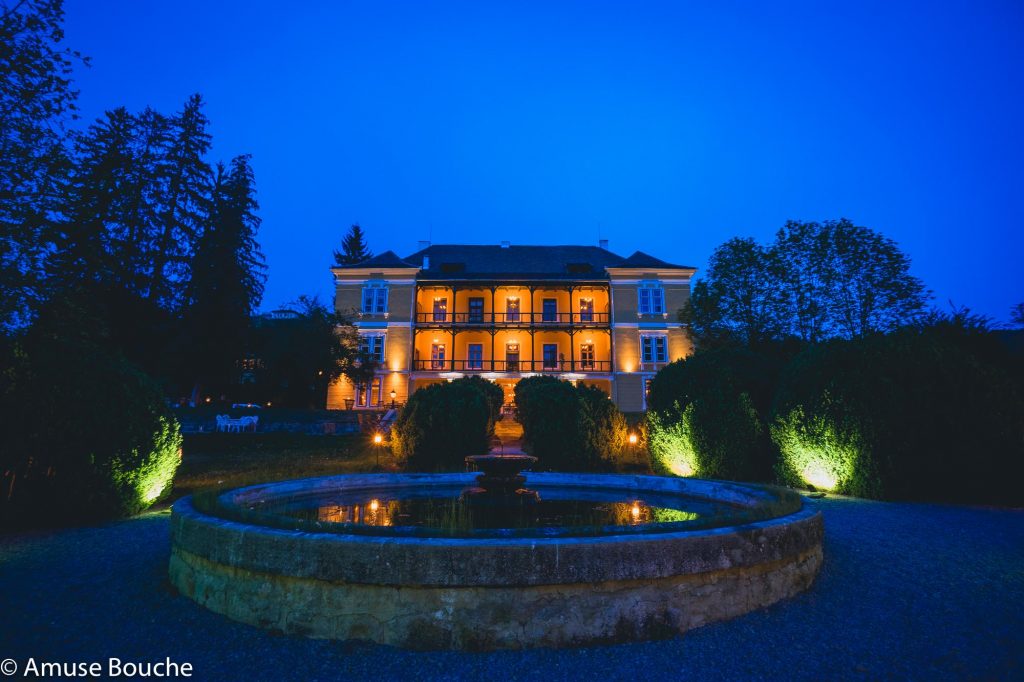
x=375 y=299
x=654 y=348
x=370 y=394
x=372 y=346
x=652 y=299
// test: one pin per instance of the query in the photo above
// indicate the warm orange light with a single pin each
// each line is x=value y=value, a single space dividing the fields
x=378 y=438
x=635 y=510
x=632 y=439
x=208 y=399
x=268 y=403
x=374 y=505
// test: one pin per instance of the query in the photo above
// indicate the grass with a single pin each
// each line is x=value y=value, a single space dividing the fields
x=221 y=460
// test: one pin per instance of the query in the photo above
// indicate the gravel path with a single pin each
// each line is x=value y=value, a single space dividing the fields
x=907 y=591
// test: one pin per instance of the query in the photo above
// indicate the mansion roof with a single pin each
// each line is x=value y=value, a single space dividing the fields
x=470 y=261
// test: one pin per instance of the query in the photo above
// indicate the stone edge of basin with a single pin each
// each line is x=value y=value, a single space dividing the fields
x=412 y=561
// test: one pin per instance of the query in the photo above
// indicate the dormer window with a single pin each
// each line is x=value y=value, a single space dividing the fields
x=651 y=299
x=375 y=298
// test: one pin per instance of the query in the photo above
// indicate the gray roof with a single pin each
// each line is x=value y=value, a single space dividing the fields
x=639 y=259
x=471 y=261
x=388 y=259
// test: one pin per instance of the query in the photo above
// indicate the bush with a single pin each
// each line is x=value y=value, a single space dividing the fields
x=441 y=425
x=708 y=415
x=84 y=432
x=569 y=428
x=927 y=413
x=492 y=392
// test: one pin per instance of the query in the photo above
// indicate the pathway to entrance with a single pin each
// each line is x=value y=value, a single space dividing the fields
x=510 y=433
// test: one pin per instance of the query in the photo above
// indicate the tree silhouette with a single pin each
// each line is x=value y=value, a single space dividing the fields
x=353 y=248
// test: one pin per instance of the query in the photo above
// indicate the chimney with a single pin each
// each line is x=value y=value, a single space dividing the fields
x=505 y=245
x=426 y=262
x=424 y=243
x=603 y=243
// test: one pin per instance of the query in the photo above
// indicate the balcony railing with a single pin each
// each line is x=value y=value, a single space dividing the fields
x=535 y=319
x=512 y=366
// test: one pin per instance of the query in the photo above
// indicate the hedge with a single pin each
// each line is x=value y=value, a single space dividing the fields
x=442 y=424
x=927 y=413
x=569 y=428
x=86 y=435
x=709 y=413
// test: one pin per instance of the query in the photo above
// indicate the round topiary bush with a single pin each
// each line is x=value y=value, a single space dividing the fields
x=708 y=416
x=927 y=413
x=441 y=425
x=85 y=432
x=569 y=428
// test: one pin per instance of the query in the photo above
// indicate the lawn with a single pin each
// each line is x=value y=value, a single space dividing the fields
x=220 y=460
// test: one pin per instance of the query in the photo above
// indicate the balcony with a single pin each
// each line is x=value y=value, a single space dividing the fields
x=513 y=366
x=536 y=319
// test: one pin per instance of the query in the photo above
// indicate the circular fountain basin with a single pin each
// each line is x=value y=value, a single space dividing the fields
x=402 y=559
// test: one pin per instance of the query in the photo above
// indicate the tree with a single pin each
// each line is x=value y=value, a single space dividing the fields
x=739 y=300
x=227 y=276
x=301 y=357
x=816 y=281
x=185 y=202
x=353 y=248
x=36 y=101
x=867 y=281
x=1017 y=314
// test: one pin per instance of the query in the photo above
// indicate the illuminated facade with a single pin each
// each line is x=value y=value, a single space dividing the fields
x=581 y=313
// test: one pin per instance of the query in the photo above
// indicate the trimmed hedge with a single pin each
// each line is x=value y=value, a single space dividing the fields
x=442 y=424
x=569 y=428
x=928 y=413
x=86 y=435
x=708 y=415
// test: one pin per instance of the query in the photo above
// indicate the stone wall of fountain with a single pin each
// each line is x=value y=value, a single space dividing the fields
x=493 y=593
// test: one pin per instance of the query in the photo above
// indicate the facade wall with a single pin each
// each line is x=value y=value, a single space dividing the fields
x=616 y=348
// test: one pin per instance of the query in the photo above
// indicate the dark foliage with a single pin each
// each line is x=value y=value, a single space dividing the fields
x=569 y=428
x=353 y=248
x=441 y=425
x=708 y=413
x=815 y=281
x=930 y=412
x=85 y=434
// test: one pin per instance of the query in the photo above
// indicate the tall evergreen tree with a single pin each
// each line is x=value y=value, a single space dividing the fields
x=185 y=201
x=36 y=101
x=227 y=277
x=353 y=248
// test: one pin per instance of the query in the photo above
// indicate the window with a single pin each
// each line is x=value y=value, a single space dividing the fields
x=550 y=356
x=476 y=356
x=512 y=309
x=512 y=357
x=437 y=356
x=654 y=348
x=652 y=300
x=587 y=356
x=440 y=309
x=550 y=308
x=586 y=310
x=372 y=346
x=369 y=394
x=476 y=310
x=375 y=299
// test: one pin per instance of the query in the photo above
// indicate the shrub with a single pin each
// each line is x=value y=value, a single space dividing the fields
x=441 y=425
x=708 y=415
x=569 y=428
x=923 y=413
x=84 y=432
x=492 y=392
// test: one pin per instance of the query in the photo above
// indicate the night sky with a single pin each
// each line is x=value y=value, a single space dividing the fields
x=661 y=128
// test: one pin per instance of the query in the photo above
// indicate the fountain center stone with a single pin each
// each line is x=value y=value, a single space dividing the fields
x=501 y=474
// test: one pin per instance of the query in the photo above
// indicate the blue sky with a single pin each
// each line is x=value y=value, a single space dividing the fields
x=667 y=127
